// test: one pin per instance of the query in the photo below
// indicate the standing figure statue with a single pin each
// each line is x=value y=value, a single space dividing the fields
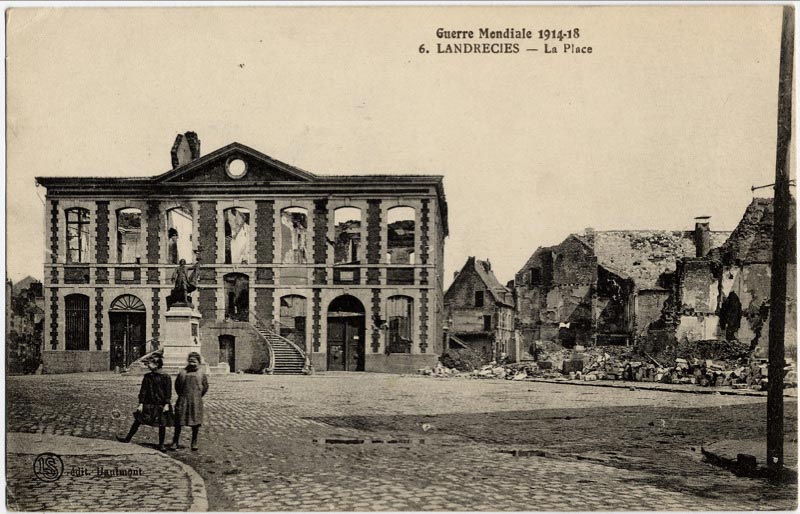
x=183 y=285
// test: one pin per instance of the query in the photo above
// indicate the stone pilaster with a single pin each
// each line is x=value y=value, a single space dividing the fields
x=423 y=321
x=98 y=318
x=54 y=318
x=316 y=318
x=376 y=319
x=153 y=232
x=101 y=230
x=373 y=240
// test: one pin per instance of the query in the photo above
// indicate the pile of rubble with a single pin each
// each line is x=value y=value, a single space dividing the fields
x=621 y=363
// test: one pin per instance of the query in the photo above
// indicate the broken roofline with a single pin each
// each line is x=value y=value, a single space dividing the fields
x=306 y=183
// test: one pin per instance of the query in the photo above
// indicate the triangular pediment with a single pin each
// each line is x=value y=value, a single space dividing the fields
x=235 y=163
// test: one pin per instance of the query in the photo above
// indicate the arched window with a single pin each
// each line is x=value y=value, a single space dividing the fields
x=179 y=235
x=401 y=231
x=77 y=235
x=294 y=225
x=76 y=313
x=237 y=235
x=400 y=314
x=347 y=235
x=130 y=243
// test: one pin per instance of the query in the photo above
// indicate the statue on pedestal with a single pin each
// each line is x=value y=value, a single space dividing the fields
x=183 y=285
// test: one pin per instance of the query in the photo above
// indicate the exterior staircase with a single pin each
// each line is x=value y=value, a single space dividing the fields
x=286 y=358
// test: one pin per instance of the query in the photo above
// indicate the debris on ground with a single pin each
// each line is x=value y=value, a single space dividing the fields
x=733 y=368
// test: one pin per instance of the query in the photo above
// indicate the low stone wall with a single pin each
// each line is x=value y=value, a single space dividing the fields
x=74 y=361
x=251 y=351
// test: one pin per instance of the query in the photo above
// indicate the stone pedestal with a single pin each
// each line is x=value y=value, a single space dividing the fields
x=181 y=336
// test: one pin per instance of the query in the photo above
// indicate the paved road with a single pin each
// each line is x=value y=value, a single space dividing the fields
x=420 y=443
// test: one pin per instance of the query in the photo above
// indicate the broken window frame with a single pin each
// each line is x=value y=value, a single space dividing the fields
x=123 y=256
x=352 y=252
x=77 y=235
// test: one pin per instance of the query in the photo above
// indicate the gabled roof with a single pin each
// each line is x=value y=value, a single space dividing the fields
x=234 y=149
x=483 y=269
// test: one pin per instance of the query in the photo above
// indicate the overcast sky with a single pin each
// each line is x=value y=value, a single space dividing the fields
x=672 y=115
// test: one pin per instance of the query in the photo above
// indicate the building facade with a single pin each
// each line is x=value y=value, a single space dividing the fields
x=480 y=311
x=602 y=287
x=725 y=293
x=349 y=268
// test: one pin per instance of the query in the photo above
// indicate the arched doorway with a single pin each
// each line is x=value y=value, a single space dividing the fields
x=127 y=315
x=346 y=322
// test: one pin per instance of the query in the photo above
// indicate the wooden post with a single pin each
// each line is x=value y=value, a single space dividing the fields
x=777 y=313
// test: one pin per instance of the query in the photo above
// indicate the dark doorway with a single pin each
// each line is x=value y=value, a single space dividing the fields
x=237 y=296
x=128 y=343
x=346 y=322
x=227 y=351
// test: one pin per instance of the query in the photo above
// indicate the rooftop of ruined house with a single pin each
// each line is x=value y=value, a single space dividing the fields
x=500 y=293
x=751 y=240
x=644 y=255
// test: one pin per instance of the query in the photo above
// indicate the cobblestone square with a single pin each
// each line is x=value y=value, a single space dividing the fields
x=376 y=442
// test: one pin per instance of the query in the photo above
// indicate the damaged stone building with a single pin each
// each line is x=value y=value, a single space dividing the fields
x=480 y=312
x=601 y=287
x=723 y=293
x=344 y=271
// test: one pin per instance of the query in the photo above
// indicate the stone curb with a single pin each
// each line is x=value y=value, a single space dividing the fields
x=22 y=443
x=197 y=486
x=642 y=386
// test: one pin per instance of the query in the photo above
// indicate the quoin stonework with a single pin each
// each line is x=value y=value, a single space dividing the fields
x=339 y=272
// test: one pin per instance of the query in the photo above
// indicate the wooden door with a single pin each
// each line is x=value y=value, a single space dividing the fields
x=127 y=338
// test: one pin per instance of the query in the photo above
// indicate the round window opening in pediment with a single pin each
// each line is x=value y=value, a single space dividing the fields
x=236 y=168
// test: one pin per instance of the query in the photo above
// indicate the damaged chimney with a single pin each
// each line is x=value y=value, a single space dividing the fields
x=588 y=235
x=185 y=149
x=702 y=236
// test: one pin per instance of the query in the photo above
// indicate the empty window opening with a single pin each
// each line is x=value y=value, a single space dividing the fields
x=400 y=311
x=347 y=235
x=77 y=235
x=401 y=234
x=179 y=235
x=130 y=243
x=294 y=228
x=237 y=235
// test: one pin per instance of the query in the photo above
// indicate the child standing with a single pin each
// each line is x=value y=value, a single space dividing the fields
x=191 y=385
x=154 y=407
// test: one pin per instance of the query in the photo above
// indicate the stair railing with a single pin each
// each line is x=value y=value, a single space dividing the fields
x=271 y=368
x=273 y=329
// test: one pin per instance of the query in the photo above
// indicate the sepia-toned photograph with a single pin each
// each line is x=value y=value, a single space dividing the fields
x=463 y=257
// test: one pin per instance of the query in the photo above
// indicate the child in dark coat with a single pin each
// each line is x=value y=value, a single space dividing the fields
x=191 y=385
x=155 y=396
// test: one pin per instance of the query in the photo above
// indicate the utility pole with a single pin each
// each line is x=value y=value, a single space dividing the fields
x=780 y=239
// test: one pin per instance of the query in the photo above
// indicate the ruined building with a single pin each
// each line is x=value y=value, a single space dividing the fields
x=480 y=311
x=724 y=293
x=345 y=271
x=601 y=287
